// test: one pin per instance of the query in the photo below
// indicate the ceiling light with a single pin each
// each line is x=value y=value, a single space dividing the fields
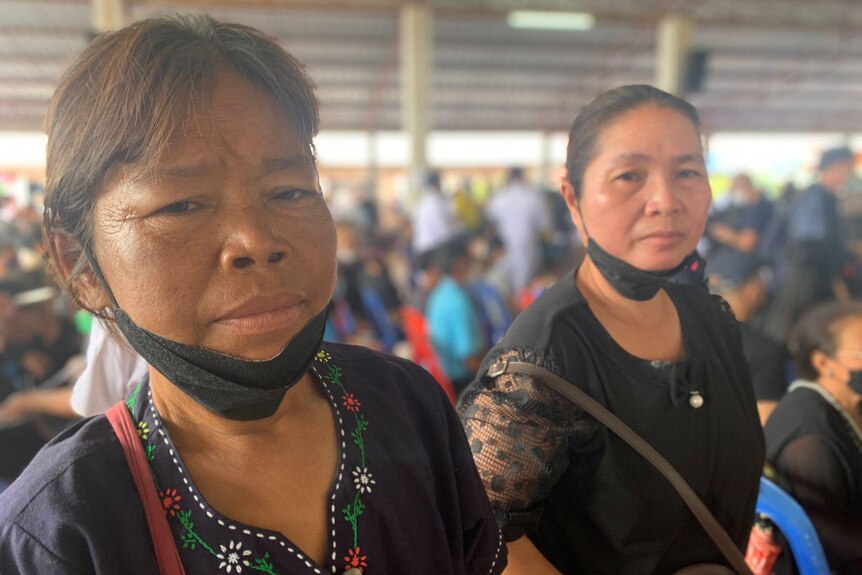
x=551 y=20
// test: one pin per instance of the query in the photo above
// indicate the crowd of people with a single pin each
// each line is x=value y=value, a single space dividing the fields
x=223 y=318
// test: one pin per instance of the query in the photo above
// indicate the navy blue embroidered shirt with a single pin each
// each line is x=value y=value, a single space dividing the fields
x=406 y=497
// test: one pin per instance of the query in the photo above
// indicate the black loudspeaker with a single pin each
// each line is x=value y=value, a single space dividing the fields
x=695 y=70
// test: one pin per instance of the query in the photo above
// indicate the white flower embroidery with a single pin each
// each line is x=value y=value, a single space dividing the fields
x=362 y=479
x=232 y=556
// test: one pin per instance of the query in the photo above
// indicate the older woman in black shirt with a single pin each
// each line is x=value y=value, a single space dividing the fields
x=665 y=358
x=814 y=436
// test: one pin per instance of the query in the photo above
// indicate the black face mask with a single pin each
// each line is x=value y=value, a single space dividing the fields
x=629 y=281
x=855 y=382
x=227 y=386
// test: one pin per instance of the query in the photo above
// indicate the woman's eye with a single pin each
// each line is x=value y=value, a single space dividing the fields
x=688 y=173
x=629 y=177
x=181 y=207
x=290 y=195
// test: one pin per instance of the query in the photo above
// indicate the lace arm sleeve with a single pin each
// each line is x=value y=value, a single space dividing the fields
x=519 y=432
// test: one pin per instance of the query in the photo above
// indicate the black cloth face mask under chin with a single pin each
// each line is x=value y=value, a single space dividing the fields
x=629 y=281
x=227 y=386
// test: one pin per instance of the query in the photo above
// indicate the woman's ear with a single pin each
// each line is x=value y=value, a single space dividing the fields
x=86 y=287
x=820 y=362
x=571 y=198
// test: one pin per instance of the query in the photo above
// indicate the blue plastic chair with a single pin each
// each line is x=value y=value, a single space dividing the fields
x=797 y=528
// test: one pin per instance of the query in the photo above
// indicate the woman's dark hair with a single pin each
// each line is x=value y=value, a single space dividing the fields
x=130 y=93
x=605 y=109
x=818 y=330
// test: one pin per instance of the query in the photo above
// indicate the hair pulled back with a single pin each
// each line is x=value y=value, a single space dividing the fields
x=603 y=110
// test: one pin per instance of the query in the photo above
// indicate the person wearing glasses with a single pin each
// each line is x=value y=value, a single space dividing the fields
x=814 y=436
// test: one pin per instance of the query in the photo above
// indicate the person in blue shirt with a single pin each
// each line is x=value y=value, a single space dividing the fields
x=453 y=321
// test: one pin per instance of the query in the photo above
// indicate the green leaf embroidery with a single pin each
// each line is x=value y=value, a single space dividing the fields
x=189 y=533
x=334 y=376
x=150 y=450
x=264 y=564
x=132 y=401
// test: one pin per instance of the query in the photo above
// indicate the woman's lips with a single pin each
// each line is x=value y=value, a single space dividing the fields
x=664 y=237
x=264 y=314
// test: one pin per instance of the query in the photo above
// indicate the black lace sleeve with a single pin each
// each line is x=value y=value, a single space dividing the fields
x=519 y=431
x=728 y=314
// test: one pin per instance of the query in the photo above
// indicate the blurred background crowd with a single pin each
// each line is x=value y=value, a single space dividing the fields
x=441 y=154
x=441 y=283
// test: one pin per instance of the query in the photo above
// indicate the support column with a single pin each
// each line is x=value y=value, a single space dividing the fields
x=107 y=15
x=546 y=163
x=372 y=179
x=674 y=33
x=416 y=47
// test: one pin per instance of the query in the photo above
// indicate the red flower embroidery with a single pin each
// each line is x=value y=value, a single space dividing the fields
x=354 y=559
x=170 y=501
x=350 y=402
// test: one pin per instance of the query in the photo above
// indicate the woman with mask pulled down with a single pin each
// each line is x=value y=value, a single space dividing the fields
x=665 y=358
x=183 y=205
x=814 y=436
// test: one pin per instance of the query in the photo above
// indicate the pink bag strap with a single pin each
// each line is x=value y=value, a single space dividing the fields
x=167 y=556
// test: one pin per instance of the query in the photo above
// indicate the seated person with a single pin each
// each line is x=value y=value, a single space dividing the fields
x=741 y=280
x=814 y=436
x=112 y=371
x=453 y=322
x=37 y=345
x=740 y=226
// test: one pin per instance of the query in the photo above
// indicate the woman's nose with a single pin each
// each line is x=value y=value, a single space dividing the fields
x=664 y=196
x=250 y=241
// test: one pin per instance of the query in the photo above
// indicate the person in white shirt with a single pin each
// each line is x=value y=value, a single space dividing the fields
x=113 y=369
x=520 y=217
x=433 y=222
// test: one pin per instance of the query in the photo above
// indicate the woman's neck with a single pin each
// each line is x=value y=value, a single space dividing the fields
x=850 y=402
x=627 y=320
x=191 y=423
x=599 y=293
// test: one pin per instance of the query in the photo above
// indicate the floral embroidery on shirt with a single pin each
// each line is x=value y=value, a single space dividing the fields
x=350 y=402
x=170 y=501
x=353 y=559
x=143 y=430
x=362 y=477
x=239 y=555
x=233 y=557
x=362 y=480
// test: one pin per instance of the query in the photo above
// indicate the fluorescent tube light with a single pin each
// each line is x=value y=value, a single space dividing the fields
x=551 y=20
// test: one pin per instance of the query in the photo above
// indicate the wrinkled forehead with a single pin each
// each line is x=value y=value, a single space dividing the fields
x=228 y=116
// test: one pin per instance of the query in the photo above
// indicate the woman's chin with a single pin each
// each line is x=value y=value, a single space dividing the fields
x=249 y=350
x=661 y=262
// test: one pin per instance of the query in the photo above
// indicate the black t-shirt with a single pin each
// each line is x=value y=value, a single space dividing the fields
x=767 y=362
x=585 y=498
x=818 y=459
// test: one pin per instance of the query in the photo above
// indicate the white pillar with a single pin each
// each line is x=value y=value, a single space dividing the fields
x=674 y=33
x=108 y=15
x=547 y=154
x=373 y=172
x=416 y=46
